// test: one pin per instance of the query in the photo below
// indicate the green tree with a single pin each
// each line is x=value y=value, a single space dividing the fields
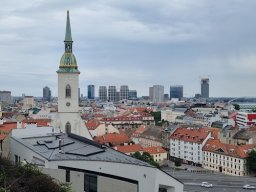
x=236 y=106
x=27 y=178
x=145 y=156
x=157 y=117
x=251 y=162
x=177 y=162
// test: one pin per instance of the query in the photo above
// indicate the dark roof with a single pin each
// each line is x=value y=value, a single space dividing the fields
x=243 y=134
x=74 y=147
x=153 y=132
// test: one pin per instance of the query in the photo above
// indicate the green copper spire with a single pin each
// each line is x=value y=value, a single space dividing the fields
x=68 y=62
x=68 y=36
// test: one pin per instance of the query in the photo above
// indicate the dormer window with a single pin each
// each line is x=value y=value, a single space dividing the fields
x=68 y=91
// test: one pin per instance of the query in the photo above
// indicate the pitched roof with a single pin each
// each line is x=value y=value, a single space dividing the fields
x=113 y=138
x=190 y=135
x=129 y=148
x=155 y=150
x=8 y=126
x=39 y=122
x=92 y=124
x=214 y=145
x=152 y=132
x=139 y=109
x=75 y=148
x=140 y=129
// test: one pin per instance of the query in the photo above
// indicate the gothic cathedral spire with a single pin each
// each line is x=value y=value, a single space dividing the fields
x=68 y=36
x=68 y=62
x=69 y=119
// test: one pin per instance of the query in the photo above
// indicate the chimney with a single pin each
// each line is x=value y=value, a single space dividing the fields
x=60 y=145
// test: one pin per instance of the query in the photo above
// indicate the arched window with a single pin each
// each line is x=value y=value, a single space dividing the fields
x=68 y=91
x=68 y=127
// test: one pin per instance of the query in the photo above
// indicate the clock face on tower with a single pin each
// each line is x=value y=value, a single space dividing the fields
x=67 y=104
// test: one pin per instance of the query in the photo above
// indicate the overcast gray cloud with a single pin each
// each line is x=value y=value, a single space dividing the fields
x=138 y=44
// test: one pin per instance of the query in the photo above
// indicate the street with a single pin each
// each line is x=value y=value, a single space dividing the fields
x=221 y=183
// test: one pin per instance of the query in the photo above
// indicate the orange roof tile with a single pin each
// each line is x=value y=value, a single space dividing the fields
x=39 y=122
x=190 y=135
x=140 y=109
x=92 y=124
x=8 y=126
x=214 y=145
x=129 y=148
x=113 y=138
x=155 y=150
x=140 y=129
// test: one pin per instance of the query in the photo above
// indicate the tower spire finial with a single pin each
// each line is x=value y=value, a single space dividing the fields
x=68 y=36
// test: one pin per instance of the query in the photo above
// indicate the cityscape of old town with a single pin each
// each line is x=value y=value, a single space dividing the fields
x=125 y=96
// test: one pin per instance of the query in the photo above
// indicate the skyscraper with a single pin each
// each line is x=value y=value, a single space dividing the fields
x=205 y=87
x=132 y=94
x=124 y=92
x=158 y=93
x=103 y=93
x=112 y=93
x=176 y=91
x=47 y=94
x=6 y=97
x=151 y=93
x=91 y=92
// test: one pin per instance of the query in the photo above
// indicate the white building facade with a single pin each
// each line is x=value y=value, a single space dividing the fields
x=187 y=144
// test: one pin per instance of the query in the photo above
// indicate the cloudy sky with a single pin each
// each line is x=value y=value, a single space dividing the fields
x=136 y=43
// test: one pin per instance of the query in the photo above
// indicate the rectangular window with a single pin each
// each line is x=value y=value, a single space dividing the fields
x=90 y=183
x=16 y=159
x=67 y=175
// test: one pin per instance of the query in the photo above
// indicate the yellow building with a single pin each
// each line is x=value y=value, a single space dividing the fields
x=226 y=158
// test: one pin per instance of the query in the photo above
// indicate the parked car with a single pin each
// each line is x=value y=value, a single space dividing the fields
x=206 y=184
x=248 y=187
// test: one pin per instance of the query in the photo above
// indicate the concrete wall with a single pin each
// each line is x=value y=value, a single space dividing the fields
x=77 y=180
x=106 y=184
x=58 y=174
x=149 y=178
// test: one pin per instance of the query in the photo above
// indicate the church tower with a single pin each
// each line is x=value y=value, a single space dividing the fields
x=68 y=94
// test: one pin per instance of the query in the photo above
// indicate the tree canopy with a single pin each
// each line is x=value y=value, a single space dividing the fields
x=236 y=106
x=251 y=162
x=145 y=156
x=27 y=178
x=157 y=117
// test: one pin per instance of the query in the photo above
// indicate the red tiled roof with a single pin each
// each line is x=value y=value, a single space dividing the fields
x=39 y=122
x=113 y=138
x=92 y=124
x=214 y=145
x=155 y=150
x=8 y=127
x=190 y=135
x=140 y=130
x=215 y=131
x=123 y=118
x=129 y=148
x=99 y=115
x=7 y=114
